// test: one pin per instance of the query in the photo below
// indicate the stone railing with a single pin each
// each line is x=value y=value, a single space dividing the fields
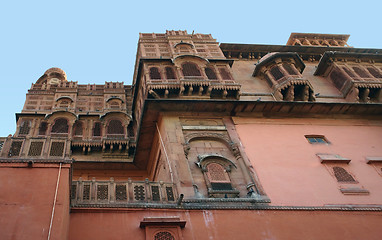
x=116 y=193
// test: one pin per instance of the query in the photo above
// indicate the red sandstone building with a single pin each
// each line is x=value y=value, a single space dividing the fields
x=229 y=141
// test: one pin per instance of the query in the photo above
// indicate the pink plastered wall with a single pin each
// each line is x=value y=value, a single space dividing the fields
x=292 y=174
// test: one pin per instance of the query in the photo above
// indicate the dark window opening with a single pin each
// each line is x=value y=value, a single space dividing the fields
x=211 y=74
x=25 y=127
x=190 y=70
x=60 y=126
x=277 y=74
x=362 y=73
x=77 y=129
x=374 y=72
x=154 y=73
x=290 y=69
x=115 y=127
x=221 y=186
x=349 y=72
x=42 y=129
x=97 y=129
x=342 y=175
x=170 y=74
x=225 y=74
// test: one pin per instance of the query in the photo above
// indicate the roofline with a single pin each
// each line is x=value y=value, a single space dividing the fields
x=240 y=47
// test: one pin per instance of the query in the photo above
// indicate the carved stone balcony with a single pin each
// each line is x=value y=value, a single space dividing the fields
x=193 y=87
x=122 y=194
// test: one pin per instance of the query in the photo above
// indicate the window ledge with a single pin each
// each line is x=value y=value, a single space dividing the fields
x=332 y=158
x=162 y=221
x=354 y=191
x=370 y=160
x=223 y=193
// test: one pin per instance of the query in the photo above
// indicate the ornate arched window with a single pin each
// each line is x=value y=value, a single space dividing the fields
x=218 y=177
x=42 y=129
x=25 y=127
x=164 y=235
x=60 y=126
x=342 y=175
x=211 y=74
x=216 y=169
x=77 y=129
x=154 y=73
x=97 y=129
x=115 y=127
x=190 y=70
x=170 y=74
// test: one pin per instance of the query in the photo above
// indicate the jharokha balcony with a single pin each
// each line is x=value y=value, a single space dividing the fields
x=129 y=193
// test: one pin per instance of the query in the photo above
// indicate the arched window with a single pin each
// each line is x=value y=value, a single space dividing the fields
x=77 y=129
x=211 y=74
x=97 y=129
x=342 y=175
x=60 y=126
x=115 y=127
x=190 y=70
x=218 y=177
x=154 y=73
x=42 y=129
x=170 y=73
x=164 y=236
x=25 y=127
x=225 y=74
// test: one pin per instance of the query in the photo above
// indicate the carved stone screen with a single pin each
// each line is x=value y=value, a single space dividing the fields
x=57 y=149
x=35 y=149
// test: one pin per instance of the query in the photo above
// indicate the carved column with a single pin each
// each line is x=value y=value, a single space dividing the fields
x=270 y=77
x=203 y=72
x=37 y=127
x=290 y=93
x=179 y=72
x=216 y=70
x=282 y=69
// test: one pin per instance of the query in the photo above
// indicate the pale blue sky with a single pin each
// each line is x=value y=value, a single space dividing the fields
x=96 y=41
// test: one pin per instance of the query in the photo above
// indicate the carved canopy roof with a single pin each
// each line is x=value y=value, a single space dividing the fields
x=330 y=57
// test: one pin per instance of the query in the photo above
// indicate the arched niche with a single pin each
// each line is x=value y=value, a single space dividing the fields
x=205 y=159
x=64 y=102
x=203 y=136
x=114 y=103
x=199 y=61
